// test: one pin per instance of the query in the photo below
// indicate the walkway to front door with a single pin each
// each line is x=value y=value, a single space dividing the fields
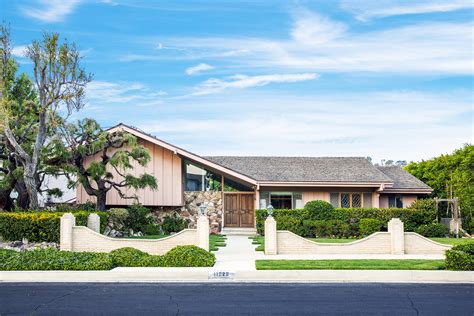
x=238 y=254
x=239 y=209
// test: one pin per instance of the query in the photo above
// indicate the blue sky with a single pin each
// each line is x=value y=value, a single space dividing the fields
x=386 y=79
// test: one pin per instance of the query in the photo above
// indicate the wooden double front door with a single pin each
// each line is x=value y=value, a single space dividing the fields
x=239 y=209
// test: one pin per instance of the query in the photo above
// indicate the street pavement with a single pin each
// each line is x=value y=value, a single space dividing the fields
x=235 y=299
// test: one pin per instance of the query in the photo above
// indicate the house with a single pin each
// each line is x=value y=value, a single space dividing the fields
x=233 y=187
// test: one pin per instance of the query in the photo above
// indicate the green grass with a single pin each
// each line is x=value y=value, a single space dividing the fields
x=259 y=241
x=402 y=264
x=216 y=241
x=452 y=241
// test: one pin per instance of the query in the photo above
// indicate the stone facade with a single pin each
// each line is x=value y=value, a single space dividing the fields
x=190 y=211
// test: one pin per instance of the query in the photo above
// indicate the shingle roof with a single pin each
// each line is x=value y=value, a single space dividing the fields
x=304 y=169
x=402 y=179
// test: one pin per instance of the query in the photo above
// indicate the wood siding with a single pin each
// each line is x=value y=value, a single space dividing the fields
x=167 y=169
x=311 y=196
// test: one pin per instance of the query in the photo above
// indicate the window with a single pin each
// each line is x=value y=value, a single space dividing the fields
x=395 y=201
x=199 y=179
x=281 y=200
x=350 y=199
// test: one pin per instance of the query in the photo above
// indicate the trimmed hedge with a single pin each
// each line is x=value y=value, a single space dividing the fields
x=292 y=219
x=329 y=228
x=461 y=257
x=368 y=226
x=318 y=210
x=39 y=226
x=53 y=259
x=433 y=230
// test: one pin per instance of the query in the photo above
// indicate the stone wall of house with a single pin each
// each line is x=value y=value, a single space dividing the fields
x=190 y=210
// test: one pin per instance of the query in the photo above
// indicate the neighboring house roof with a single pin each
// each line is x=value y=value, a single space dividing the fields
x=304 y=169
x=403 y=180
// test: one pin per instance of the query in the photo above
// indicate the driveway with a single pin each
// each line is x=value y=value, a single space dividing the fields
x=235 y=299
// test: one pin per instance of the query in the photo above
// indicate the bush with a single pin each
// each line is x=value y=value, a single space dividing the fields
x=39 y=226
x=287 y=222
x=152 y=229
x=433 y=230
x=127 y=257
x=261 y=216
x=461 y=257
x=368 y=226
x=118 y=217
x=138 y=218
x=318 y=210
x=330 y=228
x=53 y=259
x=189 y=256
x=173 y=224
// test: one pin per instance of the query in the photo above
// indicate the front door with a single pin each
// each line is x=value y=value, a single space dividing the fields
x=239 y=209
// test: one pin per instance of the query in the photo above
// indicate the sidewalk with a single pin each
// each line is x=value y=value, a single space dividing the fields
x=238 y=255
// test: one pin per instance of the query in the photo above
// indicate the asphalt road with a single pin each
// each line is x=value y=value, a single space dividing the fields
x=238 y=299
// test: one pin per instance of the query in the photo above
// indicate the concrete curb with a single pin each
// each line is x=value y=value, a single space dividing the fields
x=264 y=276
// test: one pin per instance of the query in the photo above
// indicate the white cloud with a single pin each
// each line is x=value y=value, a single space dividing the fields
x=215 y=85
x=405 y=125
x=100 y=93
x=309 y=27
x=51 y=11
x=19 y=51
x=365 y=10
x=416 y=48
x=198 y=69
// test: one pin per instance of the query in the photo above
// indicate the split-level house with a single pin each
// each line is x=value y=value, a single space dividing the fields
x=232 y=188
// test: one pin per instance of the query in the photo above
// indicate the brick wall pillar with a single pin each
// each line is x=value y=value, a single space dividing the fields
x=67 y=222
x=397 y=236
x=93 y=222
x=203 y=232
x=271 y=247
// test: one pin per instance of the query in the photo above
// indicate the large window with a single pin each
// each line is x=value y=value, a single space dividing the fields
x=199 y=179
x=281 y=200
x=395 y=201
x=350 y=199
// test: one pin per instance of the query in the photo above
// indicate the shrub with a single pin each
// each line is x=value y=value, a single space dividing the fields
x=173 y=224
x=118 y=217
x=461 y=257
x=433 y=230
x=152 y=261
x=287 y=222
x=39 y=226
x=127 y=257
x=319 y=210
x=53 y=259
x=152 y=229
x=138 y=218
x=189 y=256
x=330 y=228
x=368 y=226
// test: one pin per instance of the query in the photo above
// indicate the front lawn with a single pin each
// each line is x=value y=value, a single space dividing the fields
x=259 y=241
x=402 y=264
x=452 y=241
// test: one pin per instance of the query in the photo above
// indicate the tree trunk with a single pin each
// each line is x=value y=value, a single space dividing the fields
x=101 y=201
x=6 y=202
x=30 y=183
x=23 y=200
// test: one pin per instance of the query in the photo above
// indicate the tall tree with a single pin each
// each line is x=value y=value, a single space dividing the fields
x=112 y=171
x=450 y=175
x=60 y=85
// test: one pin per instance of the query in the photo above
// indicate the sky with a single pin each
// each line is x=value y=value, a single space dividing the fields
x=385 y=79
